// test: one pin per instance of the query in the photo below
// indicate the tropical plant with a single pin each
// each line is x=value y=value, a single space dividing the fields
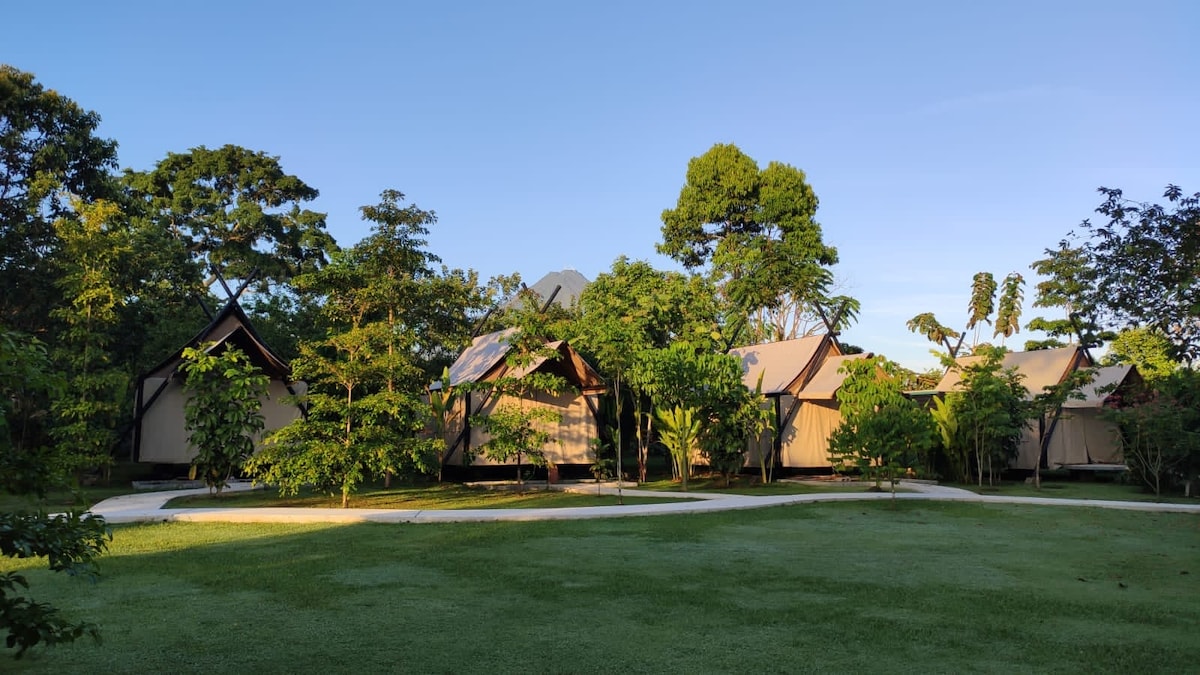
x=223 y=413
x=679 y=431
x=515 y=434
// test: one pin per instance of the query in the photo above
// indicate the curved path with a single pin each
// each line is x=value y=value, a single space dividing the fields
x=148 y=507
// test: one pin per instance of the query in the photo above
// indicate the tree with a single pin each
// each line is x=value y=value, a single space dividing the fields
x=1143 y=263
x=48 y=149
x=882 y=432
x=237 y=210
x=1160 y=426
x=756 y=228
x=1066 y=284
x=223 y=413
x=979 y=311
x=365 y=414
x=94 y=242
x=631 y=310
x=1147 y=349
x=514 y=434
x=989 y=413
x=70 y=542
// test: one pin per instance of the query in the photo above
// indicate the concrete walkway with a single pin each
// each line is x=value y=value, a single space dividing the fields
x=148 y=506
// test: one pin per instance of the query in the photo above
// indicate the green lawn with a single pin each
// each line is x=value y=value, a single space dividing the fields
x=1077 y=489
x=416 y=497
x=865 y=587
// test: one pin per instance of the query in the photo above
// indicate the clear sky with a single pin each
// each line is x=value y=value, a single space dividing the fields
x=942 y=138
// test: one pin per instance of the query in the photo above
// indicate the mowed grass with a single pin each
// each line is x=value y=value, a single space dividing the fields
x=920 y=587
x=416 y=497
x=1078 y=489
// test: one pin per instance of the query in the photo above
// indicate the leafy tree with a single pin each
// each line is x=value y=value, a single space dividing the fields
x=982 y=305
x=224 y=411
x=365 y=415
x=736 y=414
x=1142 y=266
x=989 y=411
x=70 y=542
x=756 y=228
x=626 y=314
x=1147 y=349
x=1160 y=426
x=514 y=434
x=94 y=242
x=237 y=210
x=882 y=432
x=48 y=149
x=1066 y=284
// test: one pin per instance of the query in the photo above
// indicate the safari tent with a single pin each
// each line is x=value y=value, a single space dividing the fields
x=1080 y=435
x=1039 y=369
x=160 y=435
x=800 y=379
x=486 y=361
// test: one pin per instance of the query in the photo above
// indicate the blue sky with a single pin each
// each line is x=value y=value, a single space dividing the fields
x=942 y=138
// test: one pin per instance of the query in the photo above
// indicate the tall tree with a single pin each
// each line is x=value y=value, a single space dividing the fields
x=1066 y=283
x=1143 y=264
x=756 y=229
x=48 y=149
x=237 y=210
x=382 y=302
x=94 y=243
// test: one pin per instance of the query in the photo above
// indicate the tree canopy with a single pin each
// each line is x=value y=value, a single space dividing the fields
x=756 y=229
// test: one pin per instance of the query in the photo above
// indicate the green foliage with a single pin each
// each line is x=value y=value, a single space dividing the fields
x=756 y=228
x=69 y=541
x=237 y=210
x=680 y=433
x=980 y=307
x=630 y=311
x=48 y=149
x=223 y=412
x=1160 y=426
x=1142 y=266
x=95 y=243
x=384 y=306
x=882 y=432
x=1067 y=282
x=735 y=415
x=441 y=406
x=1147 y=349
x=514 y=433
x=990 y=412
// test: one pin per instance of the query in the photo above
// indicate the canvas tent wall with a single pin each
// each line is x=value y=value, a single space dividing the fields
x=485 y=361
x=800 y=380
x=1039 y=369
x=160 y=433
x=1081 y=436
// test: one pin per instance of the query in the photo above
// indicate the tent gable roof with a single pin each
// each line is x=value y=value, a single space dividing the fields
x=1103 y=383
x=230 y=326
x=485 y=360
x=780 y=364
x=1040 y=368
x=825 y=384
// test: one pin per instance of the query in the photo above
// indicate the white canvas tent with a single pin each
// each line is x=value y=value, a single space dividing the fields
x=1080 y=435
x=800 y=379
x=485 y=361
x=160 y=434
x=1039 y=369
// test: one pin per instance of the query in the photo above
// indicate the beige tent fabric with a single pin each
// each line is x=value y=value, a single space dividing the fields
x=825 y=384
x=780 y=364
x=1030 y=449
x=484 y=361
x=806 y=440
x=164 y=430
x=1082 y=437
x=1040 y=369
